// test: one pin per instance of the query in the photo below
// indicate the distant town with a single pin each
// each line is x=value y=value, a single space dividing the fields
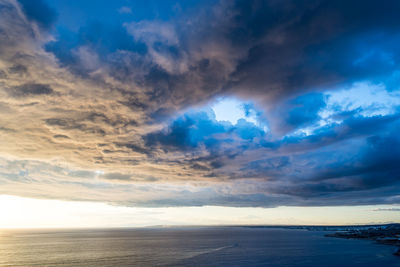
x=387 y=234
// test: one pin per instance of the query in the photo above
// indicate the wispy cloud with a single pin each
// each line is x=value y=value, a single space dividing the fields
x=391 y=209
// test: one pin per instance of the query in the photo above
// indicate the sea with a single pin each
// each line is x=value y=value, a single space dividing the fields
x=188 y=246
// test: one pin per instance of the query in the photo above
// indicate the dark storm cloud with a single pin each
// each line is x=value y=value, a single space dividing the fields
x=299 y=112
x=188 y=132
x=125 y=100
x=265 y=49
x=311 y=167
x=338 y=168
x=262 y=168
x=311 y=44
x=30 y=89
x=201 y=128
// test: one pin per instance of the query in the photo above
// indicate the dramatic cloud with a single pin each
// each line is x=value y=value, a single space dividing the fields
x=116 y=105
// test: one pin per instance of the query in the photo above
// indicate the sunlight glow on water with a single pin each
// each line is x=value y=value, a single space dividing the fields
x=187 y=246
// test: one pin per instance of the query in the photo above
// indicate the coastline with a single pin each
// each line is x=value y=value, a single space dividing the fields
x=382 y=234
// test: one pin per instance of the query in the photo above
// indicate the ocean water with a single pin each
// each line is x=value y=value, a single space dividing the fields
x=192 y=246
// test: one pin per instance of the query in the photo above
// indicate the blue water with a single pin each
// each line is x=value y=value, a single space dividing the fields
x=204 y=246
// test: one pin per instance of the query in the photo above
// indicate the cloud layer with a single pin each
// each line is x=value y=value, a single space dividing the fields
x=119 y=110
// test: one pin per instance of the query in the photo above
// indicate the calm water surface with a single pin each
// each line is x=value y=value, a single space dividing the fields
x=206 y=246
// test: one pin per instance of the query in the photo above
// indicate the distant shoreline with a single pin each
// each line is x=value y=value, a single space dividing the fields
x=387 y=234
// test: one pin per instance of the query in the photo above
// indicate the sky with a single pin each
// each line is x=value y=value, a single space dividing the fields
x=167 y=112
